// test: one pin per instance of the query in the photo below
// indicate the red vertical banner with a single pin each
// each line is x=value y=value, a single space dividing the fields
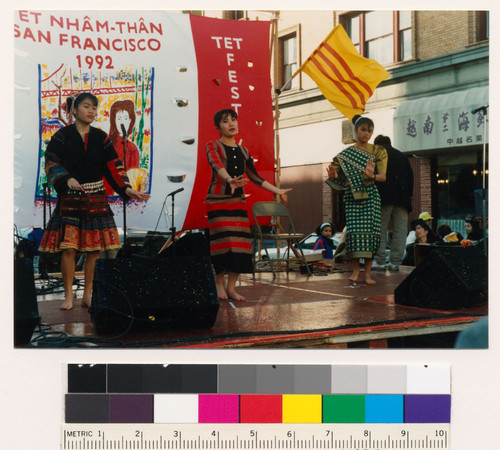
x=233 y=72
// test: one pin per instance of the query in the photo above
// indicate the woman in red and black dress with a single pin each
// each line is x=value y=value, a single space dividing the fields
x=77 y=159
x=230 y=240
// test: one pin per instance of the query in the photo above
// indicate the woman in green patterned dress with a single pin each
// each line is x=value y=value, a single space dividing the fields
x=355 y=170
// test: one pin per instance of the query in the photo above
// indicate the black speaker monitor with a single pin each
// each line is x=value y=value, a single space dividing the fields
x=26 y=316
x=447 y=278
x=168 y=293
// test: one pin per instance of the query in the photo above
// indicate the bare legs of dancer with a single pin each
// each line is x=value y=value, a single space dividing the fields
x=232 y=278
x=68 y=274
x=368 y=271
x=92 y=257
x=219 y=284
x=230 y=292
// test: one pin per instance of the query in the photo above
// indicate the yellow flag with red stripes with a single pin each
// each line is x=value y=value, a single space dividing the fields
x=345 y=78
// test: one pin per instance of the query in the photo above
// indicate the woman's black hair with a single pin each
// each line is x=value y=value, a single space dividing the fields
x=323 y=225
x=477 y=232
x=358 y=120
x=74 y=100
x=443 y=230
x=415 y=222
x=476 y=223
x=431 y=236
x=384 y=141
x=219 y=115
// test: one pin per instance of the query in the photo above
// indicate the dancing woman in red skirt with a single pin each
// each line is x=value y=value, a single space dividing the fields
x=77 y=159
x=230 y=240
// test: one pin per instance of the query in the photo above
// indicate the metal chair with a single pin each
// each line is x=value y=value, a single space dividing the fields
x=277 y=210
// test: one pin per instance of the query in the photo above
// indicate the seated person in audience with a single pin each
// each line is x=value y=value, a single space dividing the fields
x=423 y=234
x=427 y=218
x=447 y=236
x=473 y=229
x=324 y=241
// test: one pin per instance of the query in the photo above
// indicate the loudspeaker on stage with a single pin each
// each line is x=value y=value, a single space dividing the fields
x=191 y=244
x=26 y=316
x=447 y=278
x=167 y=293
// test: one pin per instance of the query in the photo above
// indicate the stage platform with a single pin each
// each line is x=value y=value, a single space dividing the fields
x=291 y=311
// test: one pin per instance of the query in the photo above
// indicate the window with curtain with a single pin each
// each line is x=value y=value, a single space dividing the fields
x=289 y=60
x=385 y=36
x=234 y=15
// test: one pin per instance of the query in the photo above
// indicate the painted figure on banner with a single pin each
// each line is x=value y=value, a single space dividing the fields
x=77 y=158
x=355 y=171
x=124 y=99
x=230 y=239
x=122 y=113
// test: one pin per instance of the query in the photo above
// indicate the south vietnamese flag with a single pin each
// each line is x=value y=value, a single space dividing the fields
x=344 y=77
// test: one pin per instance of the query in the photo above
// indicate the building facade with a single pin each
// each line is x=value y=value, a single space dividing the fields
x=439 y=73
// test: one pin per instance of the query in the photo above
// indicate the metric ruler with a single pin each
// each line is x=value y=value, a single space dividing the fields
x=254 y=436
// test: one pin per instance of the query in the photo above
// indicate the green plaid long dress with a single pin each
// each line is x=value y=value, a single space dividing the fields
x=361 y=198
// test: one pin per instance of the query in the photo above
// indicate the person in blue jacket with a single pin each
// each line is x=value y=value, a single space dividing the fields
x=324 y=241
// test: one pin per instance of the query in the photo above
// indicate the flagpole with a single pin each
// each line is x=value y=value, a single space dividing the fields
x=277 y=160
x=278 y=91
x=276 y=103
x=271 y=44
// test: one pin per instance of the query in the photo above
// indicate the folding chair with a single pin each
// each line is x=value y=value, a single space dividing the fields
x=275 y=210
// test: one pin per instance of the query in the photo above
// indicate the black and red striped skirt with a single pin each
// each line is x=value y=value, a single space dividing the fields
x=230 y=239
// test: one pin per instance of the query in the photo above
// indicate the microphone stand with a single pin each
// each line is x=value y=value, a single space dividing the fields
x=124 y=142
x=45 y=187
x=159 y=217
x=42 y=266
x=484 y=110
x=485 y=115
x=172 y=229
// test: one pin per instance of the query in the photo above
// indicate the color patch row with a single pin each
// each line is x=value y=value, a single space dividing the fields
x=189 y=408
x=258 y=379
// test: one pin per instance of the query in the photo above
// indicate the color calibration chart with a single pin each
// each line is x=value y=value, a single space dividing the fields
x=205 y=406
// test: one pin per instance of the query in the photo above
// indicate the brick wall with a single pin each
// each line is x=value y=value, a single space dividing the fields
x=441 y=32
x=327 y=195
x=422 y=174
x=425 y=185
x=305 y=202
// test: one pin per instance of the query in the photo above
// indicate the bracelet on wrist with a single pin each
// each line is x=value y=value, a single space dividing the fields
x=227 y=179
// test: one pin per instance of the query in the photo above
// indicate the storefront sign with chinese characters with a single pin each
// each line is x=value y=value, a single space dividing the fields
x=441 y=121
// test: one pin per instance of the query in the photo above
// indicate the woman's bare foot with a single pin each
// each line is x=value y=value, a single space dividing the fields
x=369 y=280
x=235 y=296
x=86 y=303
x=221 y=292
x=354 y=276
x=67 y=304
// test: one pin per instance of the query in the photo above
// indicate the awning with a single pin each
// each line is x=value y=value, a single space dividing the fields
x=441 y=121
